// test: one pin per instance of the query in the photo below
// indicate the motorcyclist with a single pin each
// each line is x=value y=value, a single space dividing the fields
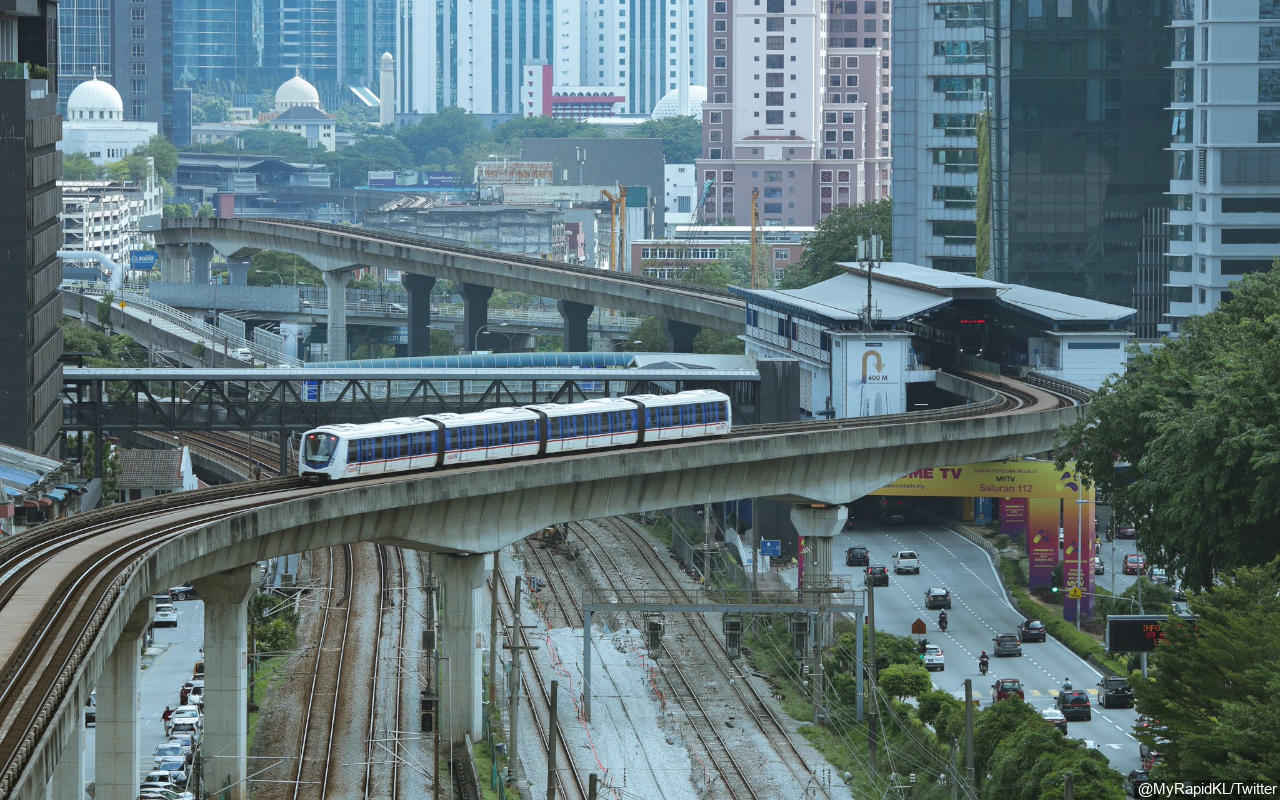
x=1066 y=684
x=942 y=620
x=983 y=662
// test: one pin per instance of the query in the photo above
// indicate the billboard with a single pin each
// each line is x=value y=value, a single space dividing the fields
x=874 y=371
x=142 y=260
x=1140 y=633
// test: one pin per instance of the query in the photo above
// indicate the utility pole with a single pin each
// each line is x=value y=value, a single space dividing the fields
x=873 y=710
x=515 y=645
x=968 y=733
x=757 y=281
x=706 y=545
x=493 y=632
x=954 y=780
x=592 y=780
x=869 y=252
x=859 y=664
x=1070 y=793
x=819 y=701
x=551 y=741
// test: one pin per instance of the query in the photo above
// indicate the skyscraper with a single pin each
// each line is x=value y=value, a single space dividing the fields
x=30 y=230
x=218 y=43
x=1225 y=186
x=142 y=60
x=84 y=35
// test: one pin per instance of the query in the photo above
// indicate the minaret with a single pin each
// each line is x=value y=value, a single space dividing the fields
x=387 y=89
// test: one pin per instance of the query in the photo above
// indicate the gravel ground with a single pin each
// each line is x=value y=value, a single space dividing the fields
x=639 y=738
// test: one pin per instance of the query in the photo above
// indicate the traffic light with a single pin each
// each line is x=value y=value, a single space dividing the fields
x=1055 y=589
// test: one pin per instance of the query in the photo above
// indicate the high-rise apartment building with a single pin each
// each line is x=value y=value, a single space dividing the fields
x=1225 y=186
x=1070 y=96
x=302 y=36
x=30 y=232
x=84 y=37
x=801 y=124
x=142 y=60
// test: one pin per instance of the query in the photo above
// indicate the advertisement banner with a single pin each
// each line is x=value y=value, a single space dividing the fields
x=1013 y=516
x=1042 y=539
x=874 y=370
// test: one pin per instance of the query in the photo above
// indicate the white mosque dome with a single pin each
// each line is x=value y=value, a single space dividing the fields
x=297 y=91
x=669 y=105
x=94 y=100
x=387 y=58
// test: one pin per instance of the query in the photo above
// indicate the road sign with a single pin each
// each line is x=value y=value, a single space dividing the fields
x=142 y=259
x=1074 y=593
x=1139 y=633
x=918 y=628
x=771 y=547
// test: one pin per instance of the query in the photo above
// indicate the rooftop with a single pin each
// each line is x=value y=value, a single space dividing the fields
x=150 y=469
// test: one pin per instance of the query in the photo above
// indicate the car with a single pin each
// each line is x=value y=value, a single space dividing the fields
x=1179 y=592
x=1007 y=644
x=243 y=354
x=187 y=742
x=1159 y=575
x=1004 y=688
x=933 y=658
x=877 y=575
x=195 y=696
x=167 y=751
x=158 y=779
x=937 y=597
x=1075 y=705
x=1099 y=566
x=184 y=592
x=857 y=556
x=185 y=692
x=159 y=793
x=894 y=518
x=177 y=769
x=187 y=710
x=91 y=709
x=1114 y=690
x=906 y=561
x=1126 y=532
x=166 y=616
x=1054 y=717
x=1032 y=630
x=1134 y=564
x=1135 y=779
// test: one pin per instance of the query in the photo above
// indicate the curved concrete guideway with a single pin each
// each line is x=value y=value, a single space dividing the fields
x=476 y=510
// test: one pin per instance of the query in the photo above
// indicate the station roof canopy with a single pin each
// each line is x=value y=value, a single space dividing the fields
x=902 y=291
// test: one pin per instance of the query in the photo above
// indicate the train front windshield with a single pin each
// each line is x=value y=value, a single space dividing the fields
x=318 y=448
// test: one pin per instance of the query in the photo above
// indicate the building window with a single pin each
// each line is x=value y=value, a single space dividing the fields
x=1269 y=85
x=773 y=80
x=719 y=44
x=1251 y=236
x=960 y=88
x=833 y=80
x=714 y=136
x=721 y=7
x=964 y=233
x=715 y=117
x=842 y=176
x=961 y=15
x=139 y=85
x=138 y=14
x=720 y=62
x=773 y=117
x=726 y=176
x=139 y=108
x=1269 y=126
x=138 y=50
x=715 y=152
x=719 y=26
x=850 y=62
x=774 y=42
x=846 y=155
x=846 y=136
x=829 y=136
x=974 y=52
x=1269 y=43
x=138 y=67
x=957 y=160
x=773 y=24
x=956 y=196
x=718 y=81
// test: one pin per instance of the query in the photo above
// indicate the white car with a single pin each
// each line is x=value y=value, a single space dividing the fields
x=157 y=792
x=933 y=658
x=243 y=354
x=906 y=561
x=168 y=751
x=195 y=696
x=166 y=616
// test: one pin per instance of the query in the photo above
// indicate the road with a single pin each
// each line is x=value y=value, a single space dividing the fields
x=980 y=611
x=162 y=677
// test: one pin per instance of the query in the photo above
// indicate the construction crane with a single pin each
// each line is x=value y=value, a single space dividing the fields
x=617 y=237
x=759 y=279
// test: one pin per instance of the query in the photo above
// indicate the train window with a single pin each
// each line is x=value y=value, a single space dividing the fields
x=553 y=427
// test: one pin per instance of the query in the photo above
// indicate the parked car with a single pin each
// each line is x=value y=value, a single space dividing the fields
x=187 y=742
x=906 y=561
x=877 y=575
x=184 y=694
x=1135 y=779
x=243 y=354
x=1099 y=566
x=1054 y=717
x=177 y=769
x=166 y=616
x=857 y=556
x=1114 y=690
x=1032 y=630
x=1075 y=705
x=1126 y=532
x=161 y=793
x=937 y=597
x=184 y=592
x=1159 y=575
x=1004 y=688
x=1134 y=564
x=933 y=658
x=1007 y=644
x=168 y=751
x=1179 y=592
x=195 y=696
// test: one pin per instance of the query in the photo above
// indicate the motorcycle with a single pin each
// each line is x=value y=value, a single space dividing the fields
x=982 y=666
x=942 y=623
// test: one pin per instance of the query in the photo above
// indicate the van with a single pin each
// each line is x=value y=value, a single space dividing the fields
x=197 y=672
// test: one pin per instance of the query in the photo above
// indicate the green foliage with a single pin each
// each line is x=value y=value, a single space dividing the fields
x=1196 y=419
x=351 y=165
x=290 y=268
x=104 y=310
x=356 y=119
x=452 y=130
x=650 y=336
x=178 y=211
x=262 y=141
x=514 y=130
x=1157 y=598
x=163 y=153
x=1031 y=763
x=932 y=703
x=130 y=168
x=1214 y=704
x=983 y=210
x=198 y=349
x=205 y=211
x=905 y=680
x=79 y=167
x=836 y=238
x=442 y=343
x=993 y=724
x=209 y=108
x=713 y=341
x=681 y=137
x=111 y=465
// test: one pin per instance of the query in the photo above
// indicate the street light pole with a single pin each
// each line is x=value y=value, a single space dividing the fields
x=475 y=343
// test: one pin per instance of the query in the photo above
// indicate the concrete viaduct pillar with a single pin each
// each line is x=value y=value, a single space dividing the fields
x=460 y=580
x=173 y=263
x=818 y=525
x=419 y=288
x=226 y=681
x=475 y=311
x=682 y=335
x=115 y=758
x=201 y=259
x=238 y=271
x=68 y=775
x=336 y=283
x=575 y=315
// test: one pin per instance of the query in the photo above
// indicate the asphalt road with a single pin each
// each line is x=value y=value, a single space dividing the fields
x=979 y=612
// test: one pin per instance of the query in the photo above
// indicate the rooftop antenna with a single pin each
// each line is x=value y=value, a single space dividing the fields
x=871 y=255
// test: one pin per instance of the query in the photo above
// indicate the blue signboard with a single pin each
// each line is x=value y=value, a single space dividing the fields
x=311 y=391
x=143 y=259
x=771 y=547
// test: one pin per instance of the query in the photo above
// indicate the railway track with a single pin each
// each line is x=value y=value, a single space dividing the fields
x=60 y=580
x=383 y=756
x=536 y=687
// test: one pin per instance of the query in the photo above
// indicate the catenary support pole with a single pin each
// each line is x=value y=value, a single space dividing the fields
x=586 y=666
x=859 y=664
x=553 y=723
x=493 y=631
x=873 y=715
x=968 y=734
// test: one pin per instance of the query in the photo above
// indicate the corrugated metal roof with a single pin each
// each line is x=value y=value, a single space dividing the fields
x=1060 y=307
x=928 y=276
x=842 y=298
x=150 y=469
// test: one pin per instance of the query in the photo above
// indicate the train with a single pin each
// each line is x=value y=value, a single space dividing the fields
x=410 y=444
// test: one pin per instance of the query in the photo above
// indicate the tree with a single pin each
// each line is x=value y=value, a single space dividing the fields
x=451 y=129
x=352 y=164
x=205 y=211
x=681 y=137
x=905 y=680
x=79 y=167
x=442 y=343
x=513 y=131
x=994 y=724
x=163 y=153
x=836 y=239
x=209 y=108
x=263 y=141
x=1213 y=700
x=1185 y=442
x=178 y=211
x=650 y=336
x=290 y=268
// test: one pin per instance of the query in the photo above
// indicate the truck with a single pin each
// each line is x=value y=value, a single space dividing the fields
x=906 y=561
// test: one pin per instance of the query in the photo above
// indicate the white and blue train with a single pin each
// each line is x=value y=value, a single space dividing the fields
x=404 y=444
